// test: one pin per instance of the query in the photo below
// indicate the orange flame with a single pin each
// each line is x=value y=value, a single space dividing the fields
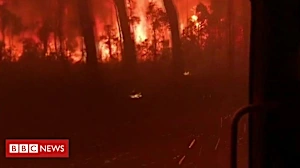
x=141 y=33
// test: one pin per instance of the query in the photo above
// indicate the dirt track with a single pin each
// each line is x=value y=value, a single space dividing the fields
x=108 y=129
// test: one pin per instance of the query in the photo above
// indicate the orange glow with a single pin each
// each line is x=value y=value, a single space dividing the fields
x=194 y=18
x=142 y=29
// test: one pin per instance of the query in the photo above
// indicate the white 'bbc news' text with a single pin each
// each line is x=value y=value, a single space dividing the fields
x=35 y=148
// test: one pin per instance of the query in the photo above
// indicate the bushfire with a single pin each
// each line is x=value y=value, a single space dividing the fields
x=51 y=29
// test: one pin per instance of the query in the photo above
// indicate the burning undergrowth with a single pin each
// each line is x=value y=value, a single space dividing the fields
x=51 y=30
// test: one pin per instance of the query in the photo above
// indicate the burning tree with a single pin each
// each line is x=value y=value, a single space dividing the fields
x=178 y=65
x=141 y=34
x=133 y=19
x=44 y=34
x=5 y=16
x=129 y=58
x=196 y=30
x=59 y=26
x=158 y=20
x=195 y=35
x=31 y=50
x=74 y=45
x=219 y=32
x=87 y=27
x=109 y=45
x=10 y=26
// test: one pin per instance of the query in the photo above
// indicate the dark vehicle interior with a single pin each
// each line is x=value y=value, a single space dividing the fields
x=179 y=108
x=274 y=86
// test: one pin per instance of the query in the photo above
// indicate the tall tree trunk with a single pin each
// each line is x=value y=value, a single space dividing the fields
x=119 y=29
x=44 y=34
x=87 y=28
x=154 y=42
x=129 y=59
x=178 y=64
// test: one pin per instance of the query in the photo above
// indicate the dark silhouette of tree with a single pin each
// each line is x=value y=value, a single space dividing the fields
x=61 y=7
x=158 y=20
x=4 y=22
x=72 y=24
x=201 y=27
x=217 y=29
x=129 y=59
x=44 y=33
x=87 y=27
x=5 y=18
x=111 y=42
x=178 y=65
x=195 y=38
x=196 y=28
x=202 y=11
x=31 y=50
x=10 y=21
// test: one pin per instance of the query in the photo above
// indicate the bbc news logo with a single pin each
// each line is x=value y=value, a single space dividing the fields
x=37 y=148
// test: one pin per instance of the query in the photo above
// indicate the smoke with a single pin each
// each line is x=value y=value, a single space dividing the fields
x=33 y=11
x=30 y=10
x=104 y=14
x=104 y=10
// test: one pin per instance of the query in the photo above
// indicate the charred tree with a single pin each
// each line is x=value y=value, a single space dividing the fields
x=154 y=41
x=178 y=65
x=44 y=34
x=119 y=28
x=87 y=28
x=158 y=19
x=129 y=59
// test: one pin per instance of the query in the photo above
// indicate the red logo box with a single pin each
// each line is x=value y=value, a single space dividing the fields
x=37 y=148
